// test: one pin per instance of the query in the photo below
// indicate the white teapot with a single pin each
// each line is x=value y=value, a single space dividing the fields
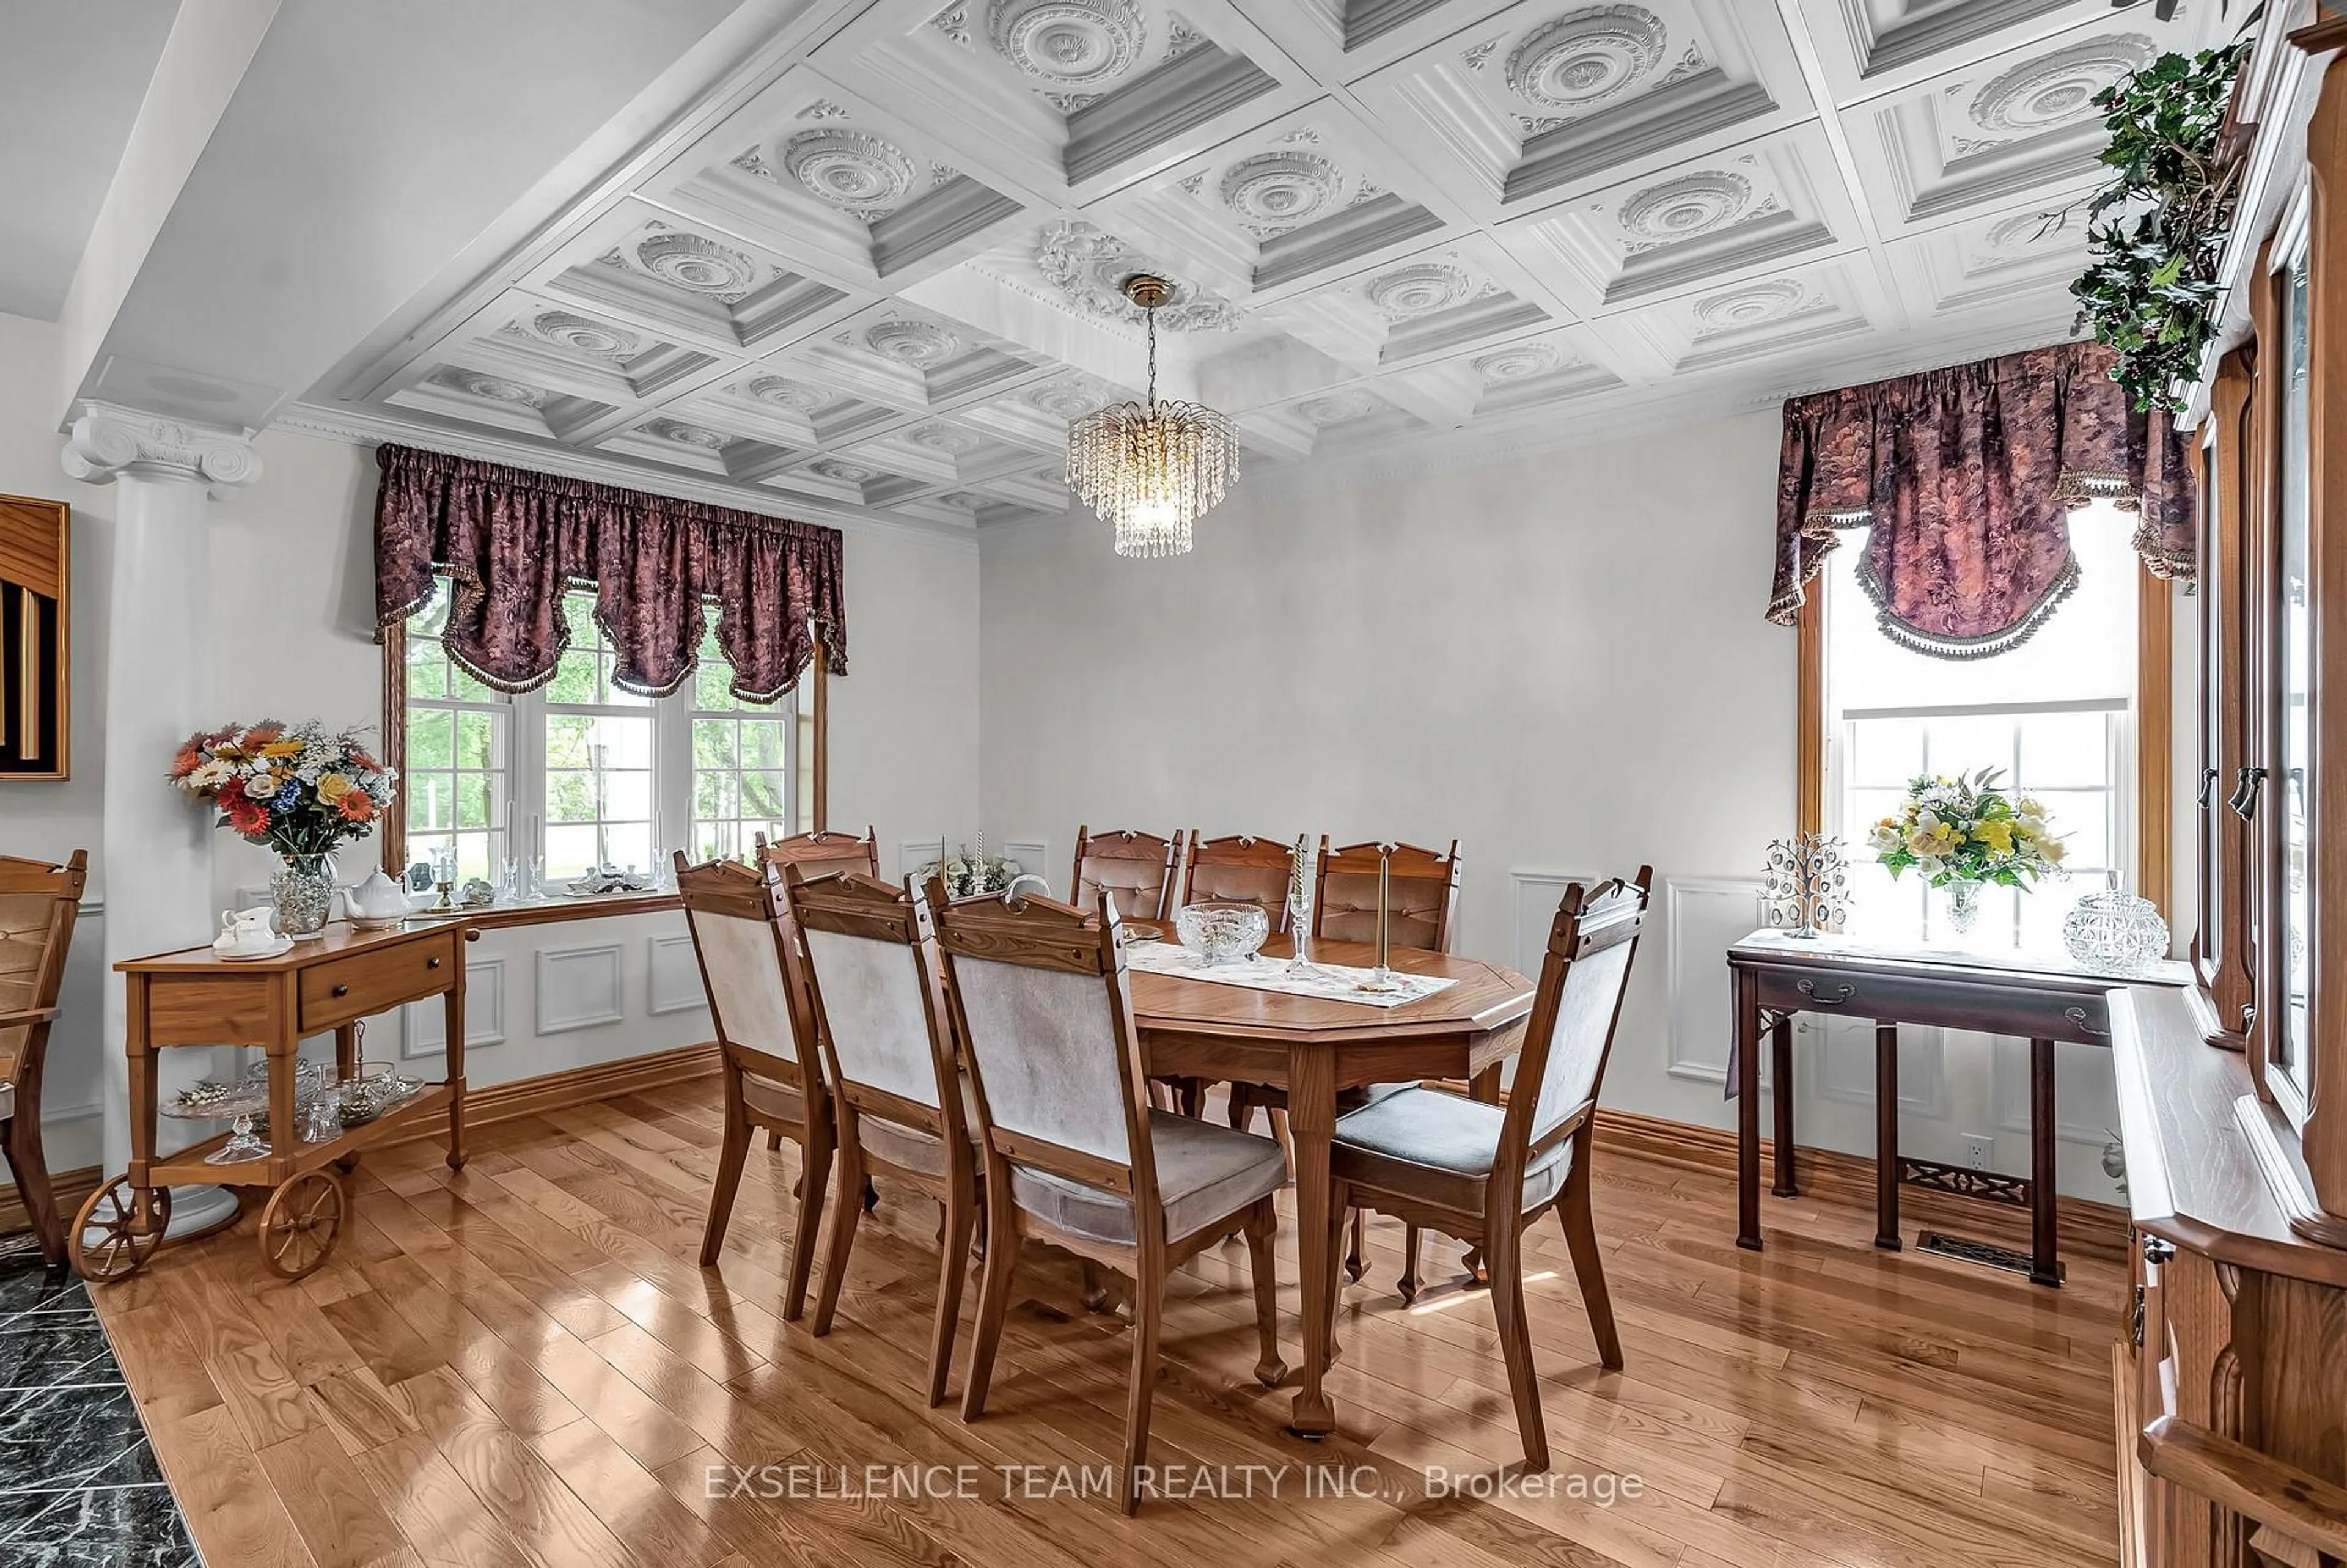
x=375 y=903
x=246 y=930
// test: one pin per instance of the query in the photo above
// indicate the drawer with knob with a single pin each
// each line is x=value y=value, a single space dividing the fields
x=369 y=982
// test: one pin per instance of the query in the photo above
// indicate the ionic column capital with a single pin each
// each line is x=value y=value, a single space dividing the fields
x=106 y=441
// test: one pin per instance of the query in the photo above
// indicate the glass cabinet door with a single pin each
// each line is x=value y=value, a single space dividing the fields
x=2290 y=790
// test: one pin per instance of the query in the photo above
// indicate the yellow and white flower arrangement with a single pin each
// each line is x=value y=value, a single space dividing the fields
x=1968 y=829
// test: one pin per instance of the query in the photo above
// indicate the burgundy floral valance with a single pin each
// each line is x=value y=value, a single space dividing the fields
x=1965 y=479
x=513 y=542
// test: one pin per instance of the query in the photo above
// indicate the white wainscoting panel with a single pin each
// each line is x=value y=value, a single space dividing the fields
x=2086 y=1096
x=424 y=1026
x=1701 y=918
x=1032 y=854
x=580 y=988
x=1536 y=895
x=674 y=983
x=1844 y=1063
x=913 y=854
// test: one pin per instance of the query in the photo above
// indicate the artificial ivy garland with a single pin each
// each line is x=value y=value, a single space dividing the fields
x=2150 y=288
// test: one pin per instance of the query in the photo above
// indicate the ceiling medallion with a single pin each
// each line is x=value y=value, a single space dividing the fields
x=1420 y=288
x=851 y=169
x=945 y=439
x=1273 y=192
x=1520 y=362
x=686 y=434
x=2053 y=90
x=922 y=345
x=841 y=473
x=565 y=330
x=1689 y=205
x=1336 y=408
x=783 y=393
x=1773 y=301
x=702 y=265
x=1074 y=46
x=1070 y=399
x=495 y=388
x=1150 y=468
x=1090 y=268
x=1586 y=57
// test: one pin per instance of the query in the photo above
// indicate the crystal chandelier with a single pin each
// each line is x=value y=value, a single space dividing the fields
x=1151 y=468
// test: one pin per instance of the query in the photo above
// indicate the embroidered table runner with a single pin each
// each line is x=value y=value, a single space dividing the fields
x=1329 y=982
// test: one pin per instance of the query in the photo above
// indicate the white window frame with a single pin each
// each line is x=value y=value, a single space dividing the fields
x=520 y=830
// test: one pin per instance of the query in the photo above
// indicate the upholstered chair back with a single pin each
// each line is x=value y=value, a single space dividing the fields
x=1237 y=869
x=746 y=963
x=1136 y=867
x=1583 y=976
x=871 y=968
x=1422 y=888
x=1039 y=989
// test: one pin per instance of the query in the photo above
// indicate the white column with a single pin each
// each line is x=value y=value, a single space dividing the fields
x=158 y=843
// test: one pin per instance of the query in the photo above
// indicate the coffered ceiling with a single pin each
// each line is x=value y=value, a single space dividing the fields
x=875 y=275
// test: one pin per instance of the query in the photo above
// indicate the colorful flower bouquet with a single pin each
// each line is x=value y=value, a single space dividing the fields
x=292 y=788
x=1965 y=829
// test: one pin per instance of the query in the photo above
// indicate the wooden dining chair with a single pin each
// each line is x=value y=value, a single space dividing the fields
x=1238 y=868
x=888 y=1054
x=1074 y=1153
x=759 y=1005
x=1137 y=867
x=1423 y=888
x=1484 y=1173
x=38 y=905
x=823 y=849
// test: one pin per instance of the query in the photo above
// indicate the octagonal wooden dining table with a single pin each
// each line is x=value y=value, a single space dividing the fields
x=1312 y=1047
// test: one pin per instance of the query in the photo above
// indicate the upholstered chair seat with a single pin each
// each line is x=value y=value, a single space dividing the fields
x=781 y=1101
x=1438 y=1144
x=1205 y=1174
x=916 y=1148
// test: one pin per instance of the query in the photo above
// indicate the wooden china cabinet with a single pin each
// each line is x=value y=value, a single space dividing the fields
x=2232 y=1367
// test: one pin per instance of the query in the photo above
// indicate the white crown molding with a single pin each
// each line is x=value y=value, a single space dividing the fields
x=107 y=440
x=360 y=429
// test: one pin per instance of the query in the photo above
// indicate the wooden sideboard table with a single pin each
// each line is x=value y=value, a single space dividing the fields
x=1776 y=975
x=195 y=997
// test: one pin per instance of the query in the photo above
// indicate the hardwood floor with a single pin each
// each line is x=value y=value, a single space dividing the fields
x=520 y=1365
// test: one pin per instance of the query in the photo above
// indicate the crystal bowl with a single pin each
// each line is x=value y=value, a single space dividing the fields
x=1221 y=933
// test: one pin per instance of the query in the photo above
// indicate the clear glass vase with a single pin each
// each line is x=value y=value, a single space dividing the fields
x=303 y=889
x=1964 y=904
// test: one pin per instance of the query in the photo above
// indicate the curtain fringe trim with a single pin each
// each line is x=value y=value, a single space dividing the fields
x=1986 y=646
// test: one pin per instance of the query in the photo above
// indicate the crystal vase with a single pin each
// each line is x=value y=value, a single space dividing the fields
x=304 y=888
x=1964 y=904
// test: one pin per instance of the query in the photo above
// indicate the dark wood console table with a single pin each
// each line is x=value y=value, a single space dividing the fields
x=1776 y=975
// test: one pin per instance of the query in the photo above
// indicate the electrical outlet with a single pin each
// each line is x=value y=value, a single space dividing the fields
x=1977 y=1150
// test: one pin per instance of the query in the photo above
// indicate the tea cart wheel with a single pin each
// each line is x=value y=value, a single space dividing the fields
x=299 y=1227
x=118 y=1230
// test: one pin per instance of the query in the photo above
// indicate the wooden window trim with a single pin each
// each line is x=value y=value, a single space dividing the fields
x=2155 y=678
x=392 y=838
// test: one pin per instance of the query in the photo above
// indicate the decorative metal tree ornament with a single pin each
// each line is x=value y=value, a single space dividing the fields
x=1808 y=880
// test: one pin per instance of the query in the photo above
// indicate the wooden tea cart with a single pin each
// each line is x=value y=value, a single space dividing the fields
x=196 y=998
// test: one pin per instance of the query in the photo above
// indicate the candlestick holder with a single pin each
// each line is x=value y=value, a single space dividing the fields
x=1381 y=979
x=1299 y=905
x=1808 y=879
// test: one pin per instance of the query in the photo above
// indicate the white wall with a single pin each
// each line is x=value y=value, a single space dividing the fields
x=293 y=577
x=1559 y=660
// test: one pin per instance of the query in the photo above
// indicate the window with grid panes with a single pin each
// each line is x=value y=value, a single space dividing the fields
x=2055 y=715
x=585 y=773
x=455 y=773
